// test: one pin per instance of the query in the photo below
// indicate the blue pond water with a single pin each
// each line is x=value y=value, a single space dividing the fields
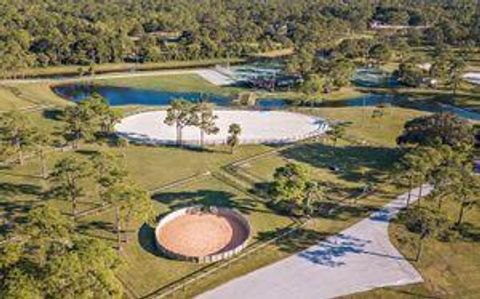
x=118 y=96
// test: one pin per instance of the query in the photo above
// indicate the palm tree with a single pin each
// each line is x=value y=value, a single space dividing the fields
x=233 y=139
x=181 y=114
x=205 y=121
x=68 y=175
x=16 y=132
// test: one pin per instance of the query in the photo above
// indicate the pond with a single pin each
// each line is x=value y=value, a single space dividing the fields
x=118 y=96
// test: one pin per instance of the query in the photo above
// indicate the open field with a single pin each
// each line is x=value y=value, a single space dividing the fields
x=365 y=155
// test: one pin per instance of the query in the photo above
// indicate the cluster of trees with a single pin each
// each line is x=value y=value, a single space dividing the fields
x=320 y=75
x=90 y=120
x=447 y=68
x=54 y=32
x=47 y=259
x=183 y=113
x=45 y=256
x=439 y=150
x=294 y=191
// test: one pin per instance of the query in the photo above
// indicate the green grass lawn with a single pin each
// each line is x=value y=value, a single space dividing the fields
x=145 y=271
x=153 y=167
x=366 y=155
x=171 y=83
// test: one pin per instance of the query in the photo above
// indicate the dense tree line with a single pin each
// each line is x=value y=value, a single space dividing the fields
x=54 y=32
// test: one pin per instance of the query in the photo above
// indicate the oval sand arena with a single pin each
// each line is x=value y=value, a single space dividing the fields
x=257 y=127
x=199 y=235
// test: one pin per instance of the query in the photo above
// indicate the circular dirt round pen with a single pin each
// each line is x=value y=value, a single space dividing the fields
x=201 y=234
x=257 y=127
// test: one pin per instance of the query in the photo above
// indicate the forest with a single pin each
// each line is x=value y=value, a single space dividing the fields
x=39 y=33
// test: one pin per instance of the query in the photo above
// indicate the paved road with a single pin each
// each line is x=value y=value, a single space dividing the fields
x=358 y=259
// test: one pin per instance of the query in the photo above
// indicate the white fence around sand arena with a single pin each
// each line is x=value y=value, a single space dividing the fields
x=215 y=257
x=146 y=128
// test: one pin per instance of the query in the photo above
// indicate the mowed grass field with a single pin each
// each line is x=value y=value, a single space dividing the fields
x=366 y=155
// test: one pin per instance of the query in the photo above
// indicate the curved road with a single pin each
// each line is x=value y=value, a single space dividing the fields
x=358 y=259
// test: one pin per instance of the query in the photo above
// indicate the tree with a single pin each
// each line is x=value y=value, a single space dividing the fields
x=313 y=192
x=48 y=260
x=336 y=132
x=122 y=143
x=205 y=121
x=292 y=186
x=103 y=114
x=446 y=128
x=409 y=74
x=341 y=72
x=45 y=224
x=441 y=63
x=445 y=173
x=233 y=140
x=380 y=53
x=425 y=222
x=180 y=113
x=108 y=171
x=457 y=67
x=68 y=176
x=419 y=164
x=80 y=123
x=131 y=202
x=467 y=188
x=42 y=141
x=16 y=132
x=314 y=85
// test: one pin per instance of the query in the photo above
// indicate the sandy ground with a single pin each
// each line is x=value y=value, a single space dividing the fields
x=358 y=259
x=257 y=127
x=199 y=235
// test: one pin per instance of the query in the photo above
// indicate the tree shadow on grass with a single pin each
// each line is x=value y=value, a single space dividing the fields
x=469 y=232
x=177 y=200
x=352 y=160
x=53 y=114
x=97 y=229
x=10 y=189
x=343 y=212
x=299 y=240
x=146 y=239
